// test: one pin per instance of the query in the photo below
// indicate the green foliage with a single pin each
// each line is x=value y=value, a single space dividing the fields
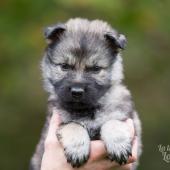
x=147 y=67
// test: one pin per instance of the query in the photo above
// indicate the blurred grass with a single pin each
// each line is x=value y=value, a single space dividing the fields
x=147 y=69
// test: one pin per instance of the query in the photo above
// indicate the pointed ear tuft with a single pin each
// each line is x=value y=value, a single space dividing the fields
x=117 y=42
x=53 y=33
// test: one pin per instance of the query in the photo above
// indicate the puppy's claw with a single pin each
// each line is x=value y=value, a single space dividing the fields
x=75 y=160
x=121 y=157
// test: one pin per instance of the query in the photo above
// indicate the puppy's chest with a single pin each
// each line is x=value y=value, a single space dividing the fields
x=92 y=121
x=92 y=124
x=89 y=122
x=93 y=129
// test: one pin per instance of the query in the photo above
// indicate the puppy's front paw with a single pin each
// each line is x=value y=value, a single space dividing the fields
x=118 y=141
x=119 y=152
x=77 y=153
x=76 y=143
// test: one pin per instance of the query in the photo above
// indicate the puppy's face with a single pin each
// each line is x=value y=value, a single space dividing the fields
x=78 y=67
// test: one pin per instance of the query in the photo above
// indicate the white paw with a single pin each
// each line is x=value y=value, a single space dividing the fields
x=76 y=143
x=77 y=153
x=118 y=141
x=119 y=152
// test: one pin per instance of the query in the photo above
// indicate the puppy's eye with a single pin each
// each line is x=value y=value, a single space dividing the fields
x=94 y=69
x=66 y=67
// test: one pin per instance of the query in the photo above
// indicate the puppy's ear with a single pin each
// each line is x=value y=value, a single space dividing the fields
x=53 y=33
x=117 y=42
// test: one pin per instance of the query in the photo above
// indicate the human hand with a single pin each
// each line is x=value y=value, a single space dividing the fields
x=54 y=158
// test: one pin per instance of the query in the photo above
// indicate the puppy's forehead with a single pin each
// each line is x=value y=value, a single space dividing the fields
x=84 y=48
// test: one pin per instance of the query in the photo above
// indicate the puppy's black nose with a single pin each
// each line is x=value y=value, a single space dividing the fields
x=77 y=92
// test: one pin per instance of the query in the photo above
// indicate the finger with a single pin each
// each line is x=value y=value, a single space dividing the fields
x=125 y=167
x=54 y=124
x=131 y=127
x=133 y=158
x=97 y=150
x=51 y=138
x=103 y=164
x=107 y=164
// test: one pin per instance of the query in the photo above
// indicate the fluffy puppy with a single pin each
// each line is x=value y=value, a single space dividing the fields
x=83 y=73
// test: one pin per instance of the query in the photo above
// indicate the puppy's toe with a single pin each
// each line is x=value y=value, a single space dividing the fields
x=77 y=155
x=120 y=152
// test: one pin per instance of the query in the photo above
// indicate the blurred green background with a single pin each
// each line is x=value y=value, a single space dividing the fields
x=146 y=24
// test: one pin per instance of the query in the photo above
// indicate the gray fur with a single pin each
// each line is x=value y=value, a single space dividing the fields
x=106 y=102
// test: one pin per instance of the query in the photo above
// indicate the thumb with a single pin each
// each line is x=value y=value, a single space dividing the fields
x=53 y=126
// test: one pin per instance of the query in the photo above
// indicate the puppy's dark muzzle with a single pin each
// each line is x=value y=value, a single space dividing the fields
x=77 y=92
